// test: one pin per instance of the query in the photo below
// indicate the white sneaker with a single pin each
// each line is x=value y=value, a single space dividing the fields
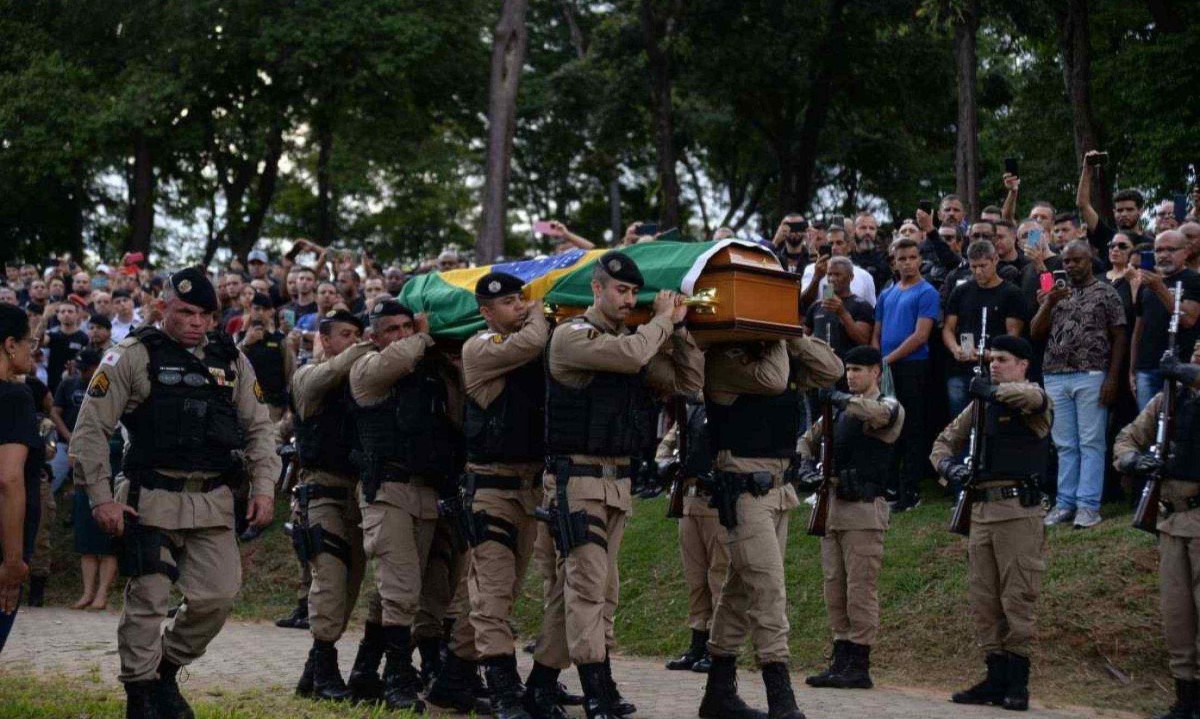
x=1087 y=518
x=1059 y=515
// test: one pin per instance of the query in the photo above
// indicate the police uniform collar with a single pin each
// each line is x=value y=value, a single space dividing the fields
x=873 y=394
x=597 y=319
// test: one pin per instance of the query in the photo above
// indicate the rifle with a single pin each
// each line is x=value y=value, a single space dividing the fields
x=1145 y=517
x=675 y=500
x=960 y=520
x=820 y=513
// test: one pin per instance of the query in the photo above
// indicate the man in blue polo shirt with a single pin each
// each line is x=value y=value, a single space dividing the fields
x=904 y=317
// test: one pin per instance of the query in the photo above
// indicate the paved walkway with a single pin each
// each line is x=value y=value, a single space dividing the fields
x=245 y=656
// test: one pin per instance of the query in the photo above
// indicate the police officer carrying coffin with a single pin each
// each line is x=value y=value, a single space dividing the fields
x=754 y=393
x=189 y=405
x=1006 y=548
x=329 y=535
x=599 y=408
x=865 y=428
x=405 y=396
x=1178 y=521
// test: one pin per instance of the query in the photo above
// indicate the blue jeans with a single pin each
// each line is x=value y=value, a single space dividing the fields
x=1079 y=424
x=956 y=390
x=1149 y=383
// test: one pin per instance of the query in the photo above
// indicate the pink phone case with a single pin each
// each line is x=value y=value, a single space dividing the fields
x=1047 y=281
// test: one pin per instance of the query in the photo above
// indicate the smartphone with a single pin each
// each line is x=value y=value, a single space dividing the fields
x=1035 y=237
x=543 y=227
x=1146 y=259
x=801 y=226
x=1060 y=278
x=827 y=291
x=1047 y=280
x=825 y=250
x=925 y=206
x=647 y=228
x=1181 y=207
x=288 y=316
x=1010 y=165
x=1100 y=158
x=966 y=340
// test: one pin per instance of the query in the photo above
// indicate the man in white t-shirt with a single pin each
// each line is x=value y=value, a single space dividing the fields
x=861 y=285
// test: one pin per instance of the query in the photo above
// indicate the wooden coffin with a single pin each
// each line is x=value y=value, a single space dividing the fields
x=741 y=295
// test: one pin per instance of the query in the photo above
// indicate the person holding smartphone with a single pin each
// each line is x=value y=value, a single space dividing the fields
x=789 y=243
x=1154 y=307
x=1127 y=207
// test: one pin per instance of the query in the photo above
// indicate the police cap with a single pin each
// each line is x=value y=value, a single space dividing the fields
x=193 y=287
x=863 y=356
x=497 y=284
x=621 y=267
x=341 y=316
x=1016 y=346
x=262 y=300
x=389 y=308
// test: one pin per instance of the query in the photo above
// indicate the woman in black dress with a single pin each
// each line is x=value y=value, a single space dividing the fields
x=20 y=462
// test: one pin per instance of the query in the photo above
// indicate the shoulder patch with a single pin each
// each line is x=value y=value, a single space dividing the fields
x=258 y=392
x=111 y=358
x=99 y=385
x=498 y=339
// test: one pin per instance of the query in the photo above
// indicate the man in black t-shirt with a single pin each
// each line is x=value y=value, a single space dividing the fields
x=1154 y=307
x=1127 y=211
x=841 y=318
x=963 y=315
x=63 y=343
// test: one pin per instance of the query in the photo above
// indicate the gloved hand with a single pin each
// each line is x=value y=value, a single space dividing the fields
x=804 y=474
x=836 y=398
x=956 y=473
x=982 y=388
x=1142 y=464
x=1172 y=368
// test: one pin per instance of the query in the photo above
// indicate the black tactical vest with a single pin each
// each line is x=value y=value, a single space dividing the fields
x=1012 y=450
x=411 y=430
x=869 y=457
x=266 y=357
x=759 y=425
x=512 y=427
x=610 y=417
x=325 y=439
x=189 y=421
x=1184 y=460
x=699 y=459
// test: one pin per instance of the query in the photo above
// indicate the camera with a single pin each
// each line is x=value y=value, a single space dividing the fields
x=1060 y=278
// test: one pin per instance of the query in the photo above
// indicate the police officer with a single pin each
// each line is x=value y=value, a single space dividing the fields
x=754 y=396
x=266 y=348
x=866 y=425
x=504 y=426
x=700 y=547
x=329 y=535
x=189 y=405
x=406 y=398
x=1178 y=522
x=1007 y=544
x=599 y=408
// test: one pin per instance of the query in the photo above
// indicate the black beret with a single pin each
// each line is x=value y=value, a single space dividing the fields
x=620 y=267
x=100 y=321
x=1016 y=346
x=341 y=316
x=262 y=300
x=388 y=308
x=193 y=287
x=88 y=357
x=863 y=356
x=497 y=284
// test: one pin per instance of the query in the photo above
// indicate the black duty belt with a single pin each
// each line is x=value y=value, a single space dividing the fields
x=321 y=491
x=995 y=494
x=495 y=481
x=1167 y=507
x=156 y=480
x=756 y=483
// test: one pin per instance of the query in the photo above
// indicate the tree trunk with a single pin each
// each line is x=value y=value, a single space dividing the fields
x=614 y=209
x=966 y=145
x=831 y=63
x=655 y=28
x=326 y=193
x=141 y=197
x=263 y=195
x=508 y=57
x=1074 y=40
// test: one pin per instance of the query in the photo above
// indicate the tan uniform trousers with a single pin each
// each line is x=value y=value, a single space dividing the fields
x=335 y=585
x=1007 y=560
x=39 y=564
x=496 y=572
x=304 y=579
x=210 y=574
x=445 y=570
x=399 y=541
x=753 y=599
x=705 y=560
x=1179 y=597
x=551 y=649
x=850 y=563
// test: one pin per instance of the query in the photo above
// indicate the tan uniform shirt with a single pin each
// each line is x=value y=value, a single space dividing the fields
x=882 y=419
x=673 y=362
x=487 y=358
x=310 y=386
x=1037 y=412
x=1138 y=436
x=120 y=385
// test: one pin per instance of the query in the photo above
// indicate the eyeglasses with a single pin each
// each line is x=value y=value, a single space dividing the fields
x=1119 y=246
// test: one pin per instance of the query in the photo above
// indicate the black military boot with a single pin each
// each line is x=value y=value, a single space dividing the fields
x=304 y=687
x=327 y=678
x=1187 y=701
x=298 y=619
x=505 y=686
x=694 y=653
x=991 y=690
x=430 y=649
x=705 y=663
x=781 y=702
x=541 y=698
x=452 y=687
x=364 y=682
x=171 y=704
x=721 y=700
x=139 y=700
x=856 y=674
x=1016 y=694
x=620 y=706
x=597 y=698
x=401 y=685
x=37 y=592
x=837 y=665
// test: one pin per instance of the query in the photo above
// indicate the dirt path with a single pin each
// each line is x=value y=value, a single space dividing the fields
x=245 y=656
